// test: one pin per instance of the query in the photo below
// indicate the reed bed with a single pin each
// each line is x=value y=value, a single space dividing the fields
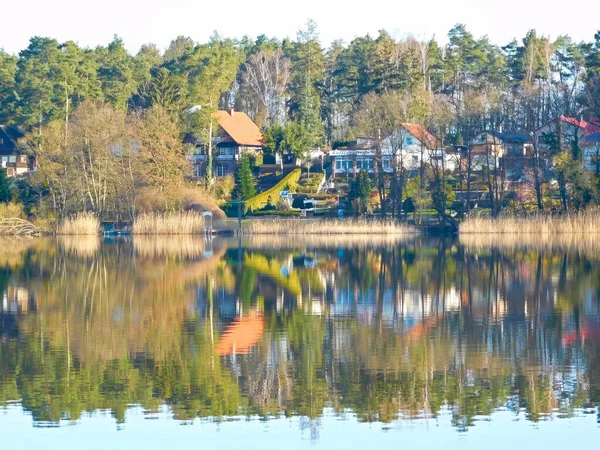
x=181 y=222
x=326 y=227
x=540 y=225
x=180 y=247
x=84 y=223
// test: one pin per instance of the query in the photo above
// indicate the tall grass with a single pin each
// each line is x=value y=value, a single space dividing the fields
x=180 y=222
x=540 y=225
x=326 y=227
x=80 y=224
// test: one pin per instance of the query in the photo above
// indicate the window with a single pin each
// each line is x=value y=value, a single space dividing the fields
x=415 y=159
x=541 y=139
x=12 y=159
x=221 y=170
x=409 y=140
x=343 y=164
x=5 y=159
x=364 y=164
x=387 y=163
x=227 y=151
x=23 y=158
x=198 y=170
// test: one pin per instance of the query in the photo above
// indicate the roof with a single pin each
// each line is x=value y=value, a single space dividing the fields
x=9 y=136
x=418 y=131
x=574 y=121
x=591 y=138
x=239 y=127
x=593 y=127
x=515 y=137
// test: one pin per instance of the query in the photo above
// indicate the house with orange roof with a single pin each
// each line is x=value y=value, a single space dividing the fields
x=410 y=144
x=236 y=134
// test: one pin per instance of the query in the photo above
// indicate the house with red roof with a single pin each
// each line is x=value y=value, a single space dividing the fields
x=591 y=147
x=236 y=134
x=562 y=130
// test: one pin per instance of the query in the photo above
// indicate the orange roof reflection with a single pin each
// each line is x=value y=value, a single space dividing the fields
x=241 y=335
x=421 y=329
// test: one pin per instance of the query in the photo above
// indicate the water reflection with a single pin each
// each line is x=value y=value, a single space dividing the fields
x=388 y=330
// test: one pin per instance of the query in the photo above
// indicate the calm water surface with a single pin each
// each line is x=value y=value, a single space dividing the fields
x=320 y=343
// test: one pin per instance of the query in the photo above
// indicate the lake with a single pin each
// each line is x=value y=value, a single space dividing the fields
x=286 y=342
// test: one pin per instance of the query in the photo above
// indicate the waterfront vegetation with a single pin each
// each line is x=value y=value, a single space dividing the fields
x=538 y=225
x=181 y=222
x=326 y=227
x=80 y=224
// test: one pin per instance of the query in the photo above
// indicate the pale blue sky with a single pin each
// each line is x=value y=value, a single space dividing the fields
x=92 y=23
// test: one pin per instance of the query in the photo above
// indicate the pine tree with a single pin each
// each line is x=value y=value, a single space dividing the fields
x=244 y=181
x=5 y=192
x=360 y=190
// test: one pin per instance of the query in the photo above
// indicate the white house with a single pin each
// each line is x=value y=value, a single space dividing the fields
x=411 y=144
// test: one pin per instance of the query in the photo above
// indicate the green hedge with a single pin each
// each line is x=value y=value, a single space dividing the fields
x=291 y=180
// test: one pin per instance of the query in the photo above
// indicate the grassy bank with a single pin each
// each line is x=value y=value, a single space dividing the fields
x=540 y=225
x=180 y=222
x=326 y=227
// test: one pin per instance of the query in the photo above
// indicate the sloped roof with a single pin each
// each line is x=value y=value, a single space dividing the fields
x=593 y=127
x=418 y=131
x=239 y=127
x=591 y=138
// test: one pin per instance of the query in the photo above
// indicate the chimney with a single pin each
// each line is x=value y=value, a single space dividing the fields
x=231 y=112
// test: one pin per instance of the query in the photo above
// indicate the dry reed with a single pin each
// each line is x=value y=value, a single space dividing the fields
x=540 y=225
x=80 y=224
x=326 y=227
x=181 y=222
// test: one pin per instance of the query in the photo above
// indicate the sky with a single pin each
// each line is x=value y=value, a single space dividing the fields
x=91 y=23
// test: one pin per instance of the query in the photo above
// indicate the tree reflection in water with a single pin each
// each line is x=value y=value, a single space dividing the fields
x=387 y=330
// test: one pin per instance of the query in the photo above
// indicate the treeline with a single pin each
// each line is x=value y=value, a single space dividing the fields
x=275 y=82
x=302 y=94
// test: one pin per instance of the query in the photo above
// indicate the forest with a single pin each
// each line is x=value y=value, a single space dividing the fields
x=107 y=127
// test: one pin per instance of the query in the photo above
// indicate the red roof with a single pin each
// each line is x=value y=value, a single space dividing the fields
x=574 y=121
x=418 y=131
x=593 y=127
x=240 y=127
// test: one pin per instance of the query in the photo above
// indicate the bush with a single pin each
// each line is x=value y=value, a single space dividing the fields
x=12 y=210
